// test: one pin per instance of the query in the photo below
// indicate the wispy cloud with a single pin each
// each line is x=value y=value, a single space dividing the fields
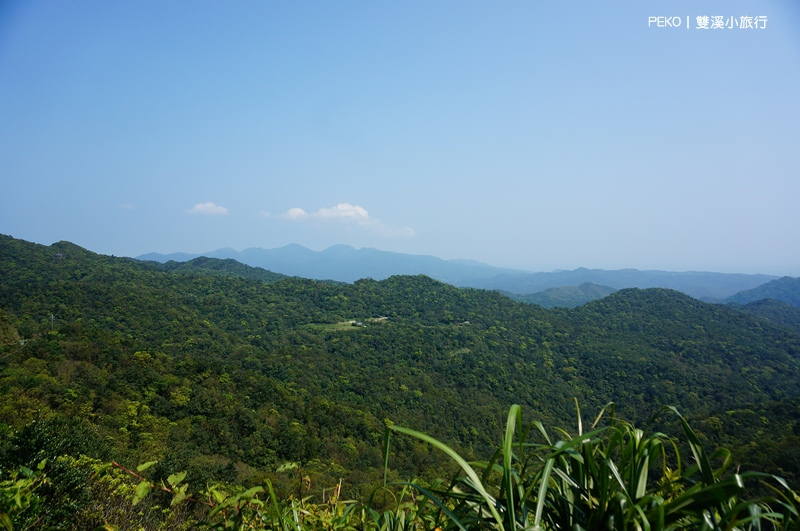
x=294 y=214
x=345 y=211
x=394 y=232
x=350 y=214
x=126 y=206
x=208 y=209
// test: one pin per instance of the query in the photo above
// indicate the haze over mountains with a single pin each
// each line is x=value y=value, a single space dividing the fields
x=347 y=264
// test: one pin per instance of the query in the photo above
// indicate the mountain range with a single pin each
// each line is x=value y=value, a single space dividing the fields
x=347 y=264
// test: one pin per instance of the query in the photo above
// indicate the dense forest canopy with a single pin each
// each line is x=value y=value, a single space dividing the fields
x=228 y=371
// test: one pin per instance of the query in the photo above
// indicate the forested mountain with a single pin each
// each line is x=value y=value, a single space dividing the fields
x=221 y=267
x=346 y=264
x=778 y=312
x=231 y=375
x=785 y=289
x=711 y=287
x=564 y=297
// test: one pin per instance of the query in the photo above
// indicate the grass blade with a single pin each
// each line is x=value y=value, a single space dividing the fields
x=468 y=470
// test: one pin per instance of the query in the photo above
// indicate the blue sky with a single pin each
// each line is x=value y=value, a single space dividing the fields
x=527 y=134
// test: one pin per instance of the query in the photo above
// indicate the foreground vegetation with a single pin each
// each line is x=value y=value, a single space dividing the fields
x=612 y=476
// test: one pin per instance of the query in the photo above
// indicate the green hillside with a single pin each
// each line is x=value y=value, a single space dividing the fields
x=221 y=267
x=785 y=289
x=229 y=376
x=564 y=297
x=775 y=311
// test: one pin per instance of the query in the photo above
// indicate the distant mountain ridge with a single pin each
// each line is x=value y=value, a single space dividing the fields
x=706 y=286
x=221 y=267
x=564 y=297
x=347 y=264
x=784 y=289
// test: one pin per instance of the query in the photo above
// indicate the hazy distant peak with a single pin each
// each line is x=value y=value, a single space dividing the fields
x=289 y=246
x=465 y=262
x=341 y=249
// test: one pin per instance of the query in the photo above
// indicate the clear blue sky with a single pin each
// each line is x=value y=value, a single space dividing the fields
x=531 y=134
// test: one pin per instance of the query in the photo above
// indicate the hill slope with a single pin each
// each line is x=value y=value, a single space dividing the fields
x=786 y=289
x=564 y=297
x=221 y=267
x=777 y=312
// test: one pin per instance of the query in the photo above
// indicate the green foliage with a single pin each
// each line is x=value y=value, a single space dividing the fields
x=52 y=441
x=46 y=439
x=19 y=503
x=220 y=267
x=613 y=477
x=775 y=311
x=8 y=334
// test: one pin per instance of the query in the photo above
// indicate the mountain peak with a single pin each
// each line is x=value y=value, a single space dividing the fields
x=339 y=248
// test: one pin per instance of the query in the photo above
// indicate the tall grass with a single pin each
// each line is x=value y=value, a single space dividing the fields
x=613 y=476
x=609 y=476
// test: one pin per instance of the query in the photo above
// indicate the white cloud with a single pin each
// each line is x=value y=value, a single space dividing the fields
x=207 y=209
x=126 y=206
x=347 y=213
x=264 y=214
x=395 y=232
x=295 y=214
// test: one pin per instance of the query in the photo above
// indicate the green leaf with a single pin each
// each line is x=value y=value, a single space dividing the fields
x=6 y=521
x=218 y=495
x=514 y=415
x=175 y=479
x=141 y=491
x=697 y=449
x=180 y=495
x=471 y=474
x=102 y=469
x=145 y=466
x=543 y=481
x=453 y=518
x=249 y=493
x=386 y=441
x=287 y=466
